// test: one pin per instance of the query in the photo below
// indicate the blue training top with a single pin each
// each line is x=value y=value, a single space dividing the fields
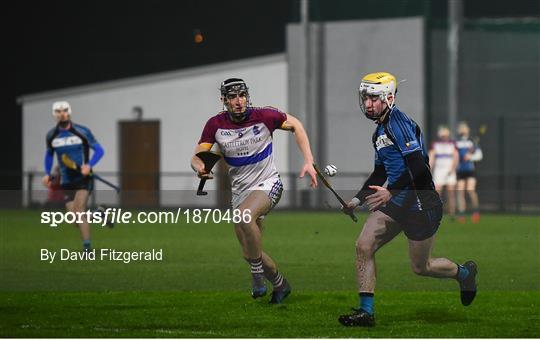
x=76 y=142
x=394 y=138
x=464 y=146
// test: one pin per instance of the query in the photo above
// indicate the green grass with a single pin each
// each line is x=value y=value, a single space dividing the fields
x=201 y=288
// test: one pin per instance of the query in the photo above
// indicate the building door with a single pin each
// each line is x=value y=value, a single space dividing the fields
x=139 y=163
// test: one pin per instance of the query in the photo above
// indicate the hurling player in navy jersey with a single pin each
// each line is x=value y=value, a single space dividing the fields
x=469 y=153
x=75 y=141
x=408 y=203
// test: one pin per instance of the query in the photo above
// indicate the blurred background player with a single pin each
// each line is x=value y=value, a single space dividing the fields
x=75 y=141
x=469 y=152
x=244 y=135
x=443 y=160
x=409 y=203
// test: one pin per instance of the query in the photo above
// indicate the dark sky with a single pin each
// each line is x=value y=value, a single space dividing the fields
x=59 y=43
x=64 y=43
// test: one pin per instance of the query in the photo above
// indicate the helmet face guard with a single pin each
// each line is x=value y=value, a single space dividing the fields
x=380 y=84
x=443 y=132
x=60 y=106
x=463 y=129
x=231 y=88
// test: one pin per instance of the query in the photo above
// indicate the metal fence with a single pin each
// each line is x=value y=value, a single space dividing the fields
x=509 y=194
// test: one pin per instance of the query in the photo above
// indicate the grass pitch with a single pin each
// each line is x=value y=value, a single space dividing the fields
x=201 y=288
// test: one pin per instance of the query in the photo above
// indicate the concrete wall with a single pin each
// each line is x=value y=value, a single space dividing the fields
x=183 y=101
x=342 y=52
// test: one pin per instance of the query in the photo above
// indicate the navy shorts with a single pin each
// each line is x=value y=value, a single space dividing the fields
x=416 y=225
x=466 y=174
x=71 y=188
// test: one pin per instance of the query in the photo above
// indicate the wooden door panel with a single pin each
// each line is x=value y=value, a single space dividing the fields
x=139 y=163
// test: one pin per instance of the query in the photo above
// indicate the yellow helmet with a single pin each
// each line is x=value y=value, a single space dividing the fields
x=381 y=84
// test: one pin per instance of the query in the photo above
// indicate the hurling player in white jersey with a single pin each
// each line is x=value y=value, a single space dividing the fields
x=244 y=135
x=444 y=159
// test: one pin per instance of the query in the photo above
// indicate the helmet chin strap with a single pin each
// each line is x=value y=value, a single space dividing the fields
x=238 y=117
x=384 y=114
x=387 y=110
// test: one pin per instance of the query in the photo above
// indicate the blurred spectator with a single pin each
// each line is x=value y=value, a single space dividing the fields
x=469 y=152
x=443 y=160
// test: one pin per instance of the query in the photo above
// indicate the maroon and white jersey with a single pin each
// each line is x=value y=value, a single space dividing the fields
x=444 y=153
x=246 y=146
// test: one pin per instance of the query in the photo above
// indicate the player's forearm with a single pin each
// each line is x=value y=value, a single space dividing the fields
x=98 y=154
x=477 y=155
x=377 y=177
x=431 y=156
x=415 y=174
x=48 y=161
x=302 y=140
x=303 y=143
x=196 y=162
x=456 y=161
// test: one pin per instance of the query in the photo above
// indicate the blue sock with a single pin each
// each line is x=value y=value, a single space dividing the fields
x=462 y=273
x=86 y=244
x=366 y=302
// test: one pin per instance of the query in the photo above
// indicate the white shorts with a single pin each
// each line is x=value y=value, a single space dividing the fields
x=442 y=176
x=272 y=187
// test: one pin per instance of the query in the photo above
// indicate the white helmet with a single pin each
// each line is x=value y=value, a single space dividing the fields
x=62 y=105
x=443 y=132
x=381 y=84
x=463 y=129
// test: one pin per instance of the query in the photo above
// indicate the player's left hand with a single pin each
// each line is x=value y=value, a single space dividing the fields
x=85 y=169
x=379 y=198
x=308 y=167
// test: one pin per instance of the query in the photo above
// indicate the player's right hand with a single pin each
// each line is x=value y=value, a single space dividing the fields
x=85 y=169
x=201 y=173
x=310 y=170
x=205 y=175
x=46 y=181
x=353 y=203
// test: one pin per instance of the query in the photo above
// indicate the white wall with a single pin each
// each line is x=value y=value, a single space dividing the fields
x=183 y=101
x=351 y=49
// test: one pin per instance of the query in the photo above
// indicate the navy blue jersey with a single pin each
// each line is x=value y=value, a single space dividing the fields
x=76 y=142
x=394 y=138
x=464 y=147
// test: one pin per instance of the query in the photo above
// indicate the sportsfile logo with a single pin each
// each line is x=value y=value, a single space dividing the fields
x=120 y=216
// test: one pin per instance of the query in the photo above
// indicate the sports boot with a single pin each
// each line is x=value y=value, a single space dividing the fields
x=360 y=318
